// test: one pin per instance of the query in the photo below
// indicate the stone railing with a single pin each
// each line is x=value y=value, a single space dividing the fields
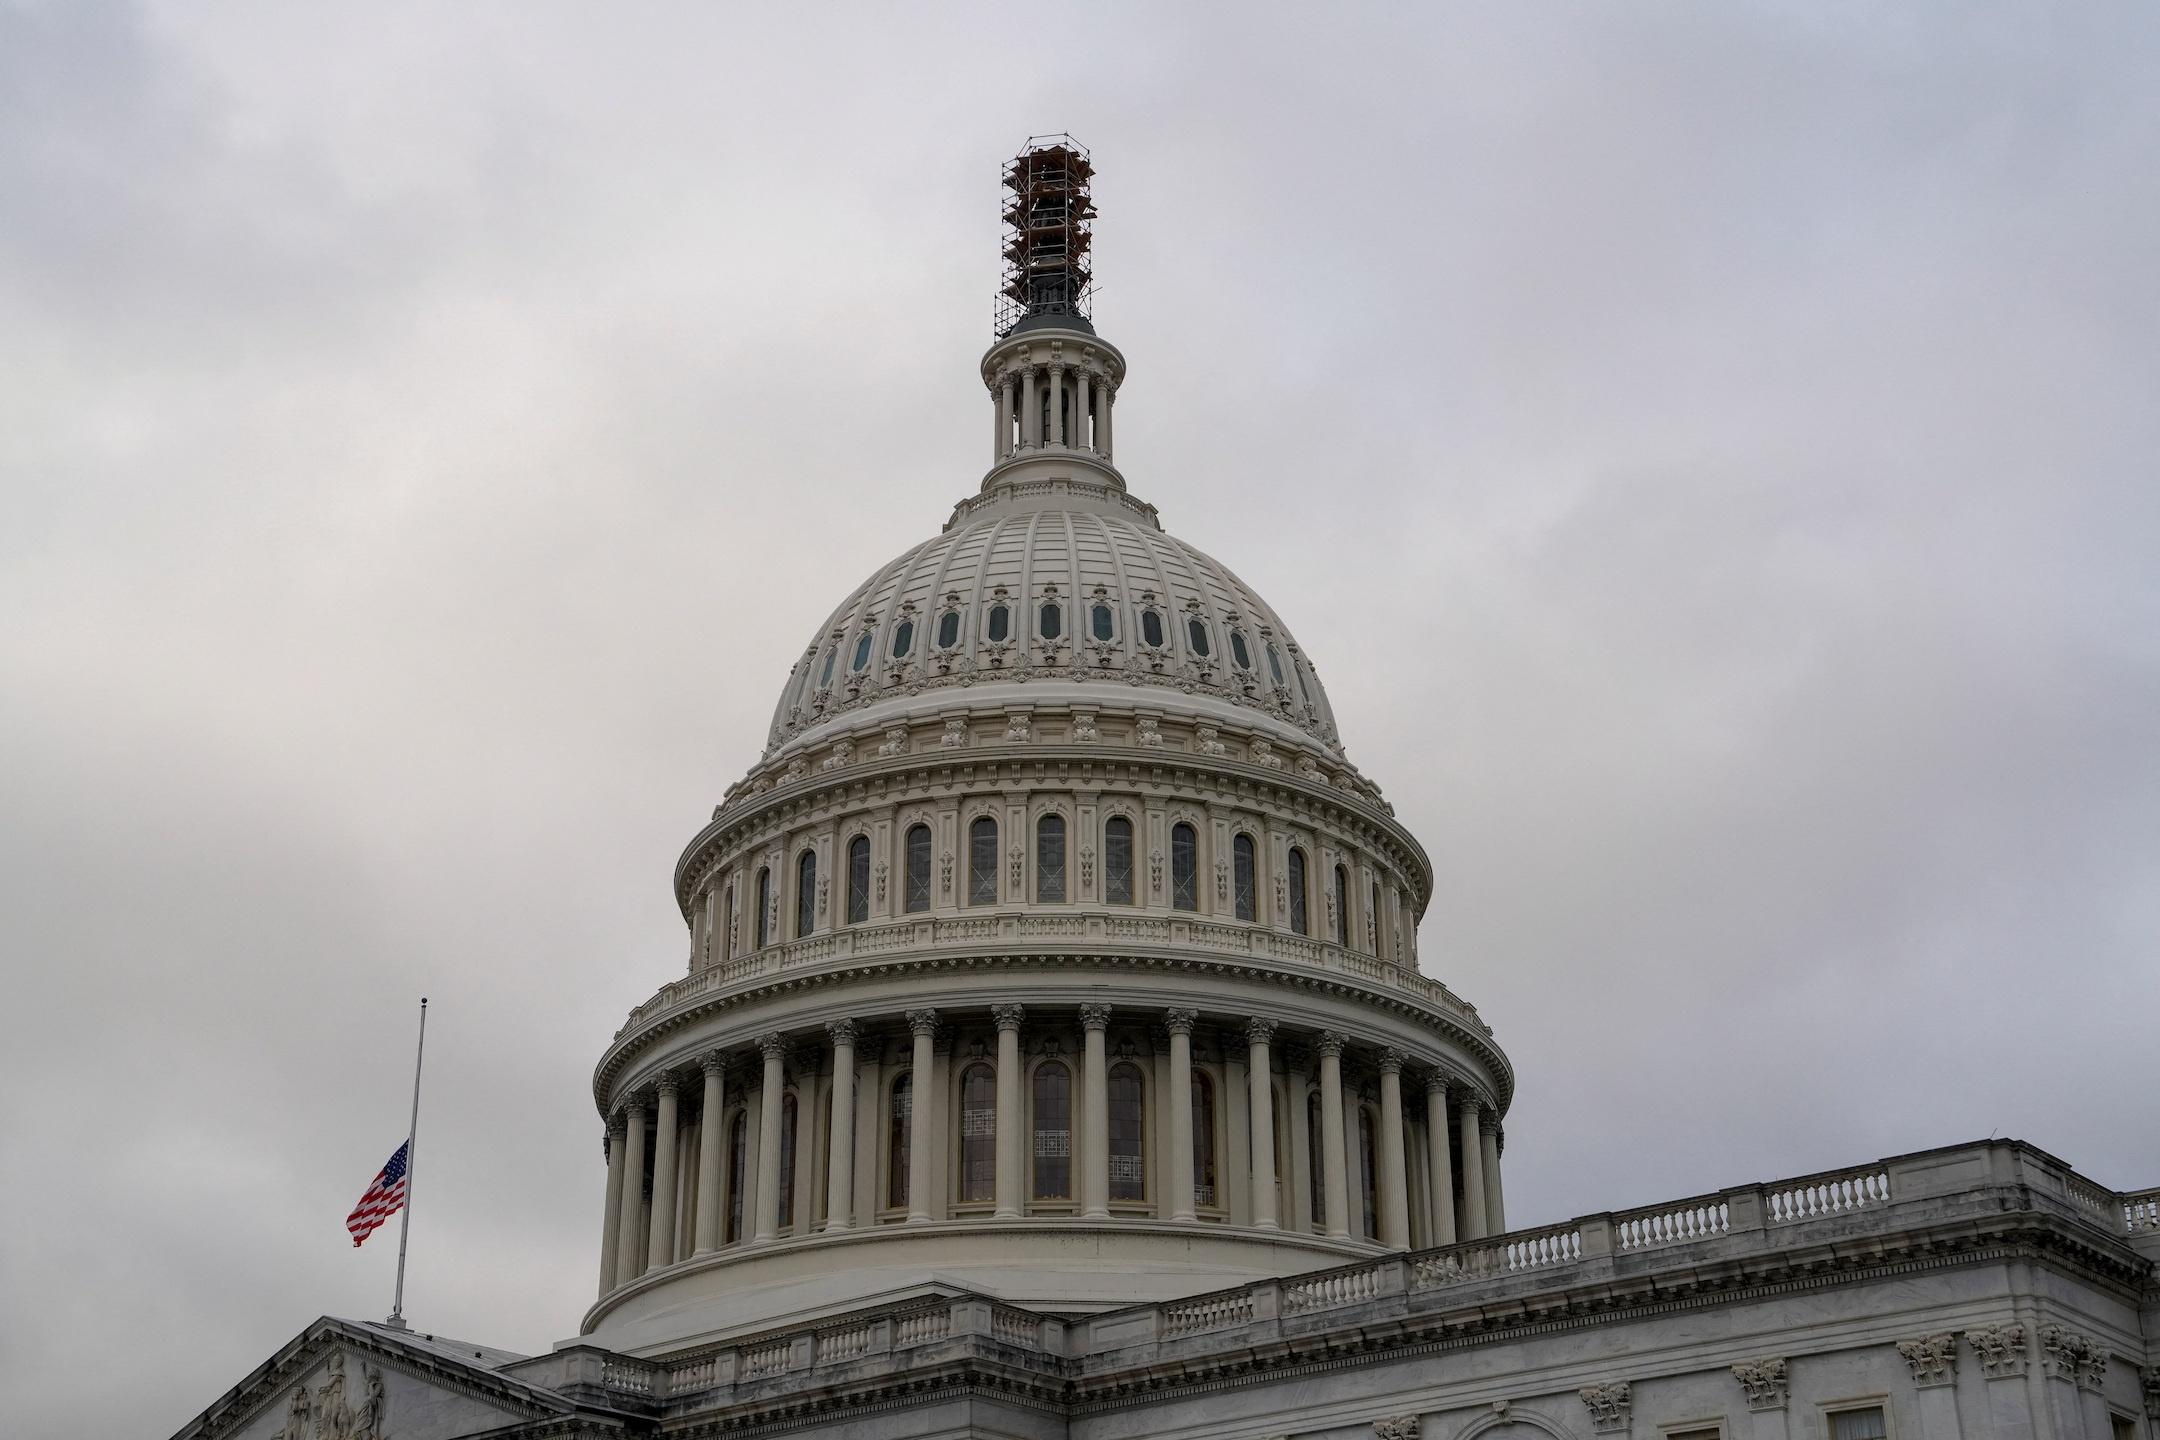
x=1673 y=1223
x=1080 y=929
x=1830 y=1193
x=2141 y=1211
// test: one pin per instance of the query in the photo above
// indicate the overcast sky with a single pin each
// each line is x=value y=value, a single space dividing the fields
x=1708 y=450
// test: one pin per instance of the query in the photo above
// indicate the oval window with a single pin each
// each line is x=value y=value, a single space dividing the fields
x=1151 y=627
x=1053 y=621
x=862 y=652
x=1102 y=622
x=948 y=630
x=903 y=638
x=1238 y=652
x=1196 y=631
x=1274 y=665
x=1000 y=622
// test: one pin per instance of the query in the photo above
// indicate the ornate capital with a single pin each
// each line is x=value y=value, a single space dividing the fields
x=1391 y=1061
x=618 y=1124
x=1488 y=1122
x=1180 y=1022
x=1765 y=1382
x=638 y=1103
x=2073 y=1357
x=1259 y=1031
x=1933 y=1359
x=668 y=1083
x=1609 y=1405
x=922 y=1022
x=1094 y=1017
x=1395 y=1427
x=1008 y=1017
x=773 y=1045
x=842 y=1032
x=2151 y=1381
x=1331 y=1042
x=1436 y=1086
x=712 y=1062
x=2001 y=1348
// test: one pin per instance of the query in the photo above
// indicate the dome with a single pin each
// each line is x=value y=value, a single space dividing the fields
x=1058 y=585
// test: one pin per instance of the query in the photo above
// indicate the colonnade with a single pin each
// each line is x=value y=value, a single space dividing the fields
x=726 y=1177
x=1075 y=395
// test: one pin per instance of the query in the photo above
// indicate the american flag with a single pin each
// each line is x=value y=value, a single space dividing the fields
x=384 y=1194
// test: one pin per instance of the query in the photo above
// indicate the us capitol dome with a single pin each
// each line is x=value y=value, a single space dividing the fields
x=1053 y=947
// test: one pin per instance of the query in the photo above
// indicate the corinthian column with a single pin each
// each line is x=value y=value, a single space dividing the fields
x=840 y=1157
x=1080 y=438
x=1011 y=1158
x=1057 y=404
x=1394 y=1176
x=629 y=1252
x=712 y=1142
x=1030 y=412
x=1335 y=1161
x=1180 y=1024
x=1473 y=1167
x=1001 y=407
x=661 y=1249
x=768 y=1148
x=611 y=1221
x=1436 y=1154
x=1104 y=404
x=1260 y=1071
x=1095 y=1112
x=924 y=1025
x=1489 y=1142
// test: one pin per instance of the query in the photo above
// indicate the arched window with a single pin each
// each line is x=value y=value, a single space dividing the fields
x=1242 y=866
x=1238 y=652
x=1342 y=906
x=903 y=638
x=1000 y=622
x=858 y=880
x=1203 y=1139
x=982 y=861
x=1128 y=1133
x=1103 y=622
x=787 y=1162
x=1053 y=1131
x=1050 y=859
x=978 y=1134
x=737 y=1173
x=1151 y=627
x=832 y=653
x=764 y=907
x=1196 y=633
x=1274 y=665
x=1296 y=887
x=918 y=868
x=805 y=893
x=862 y=651
x=1368 y=1164
x=1117 y=861
x=948 y=630
x=1053 y=620
x=727 y=936
x=1373 y=916
x=1184 y=867
x=1315 y=1162
x=898 y=1115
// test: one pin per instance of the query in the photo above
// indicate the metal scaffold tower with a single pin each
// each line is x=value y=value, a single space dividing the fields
x=1049 y=218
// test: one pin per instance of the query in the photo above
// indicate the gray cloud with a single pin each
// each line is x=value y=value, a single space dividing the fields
x=1708 y=450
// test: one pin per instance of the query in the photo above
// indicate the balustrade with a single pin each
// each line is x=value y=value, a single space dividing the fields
x=1833 y=1193
x=1671 y=1224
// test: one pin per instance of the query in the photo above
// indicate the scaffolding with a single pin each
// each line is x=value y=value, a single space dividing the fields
x=1049 y=226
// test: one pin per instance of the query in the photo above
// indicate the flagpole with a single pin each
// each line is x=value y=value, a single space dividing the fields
x=412 y=1162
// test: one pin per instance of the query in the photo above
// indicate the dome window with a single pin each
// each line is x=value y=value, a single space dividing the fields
x=862 y=652
x=1053 y=620
x=903 y=638
x=1238 y=652
x=1000 y=622
x=824 y=679
x=1104 y=625
x=1274 y=665
x=948 y=630
x=1151 y=627
x=1196 y=632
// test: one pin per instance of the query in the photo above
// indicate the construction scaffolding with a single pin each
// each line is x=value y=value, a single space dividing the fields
x=1049 y=225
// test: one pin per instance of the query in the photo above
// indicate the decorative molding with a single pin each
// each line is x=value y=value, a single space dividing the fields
x=1610 y=1406
x=1331 y=1042
x=1395 y=1427
x=1094 y=1017
x=1392 y=1060
x=842 y=1032
x=922 y=1022
x=773 y=1046
x=1259 y=1030
x=1180 y=1022
x=1008 y=1017
x=1933 y=1359
x=2003 y=1352
x=1765 y=1383
x=2067 y=1355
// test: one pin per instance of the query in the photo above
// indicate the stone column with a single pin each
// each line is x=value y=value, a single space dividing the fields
x=1180 y=1024
x=1011 y=1117
x=1003 y=407
x=661 y=1248
x=1260 y=1074
x=768 y=1154
x=712 y=1151
x=1081 y=438
x=1394 y=1178
x=611 y=1220
x=1095 y=1115
x=1334 y=1159
x=840 y=1154
x=1105 y=404
x=1030 y=411
x=629 y=1253
x=1057 y=404
x=1489 y=1141
x=923 y=1024
x=1442 y=1183
x=1467 y=1112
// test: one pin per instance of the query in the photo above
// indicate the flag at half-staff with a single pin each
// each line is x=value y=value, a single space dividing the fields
x=385 y=1195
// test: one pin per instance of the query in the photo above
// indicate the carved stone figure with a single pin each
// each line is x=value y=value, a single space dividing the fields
x=1017 y=728
x=1084 y=730
x=1147 y=733
x=368 y=1414
x=333 y=1417
x=1207 y=741
x=896 y=741
x=299 y=1415
x=956 y=734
